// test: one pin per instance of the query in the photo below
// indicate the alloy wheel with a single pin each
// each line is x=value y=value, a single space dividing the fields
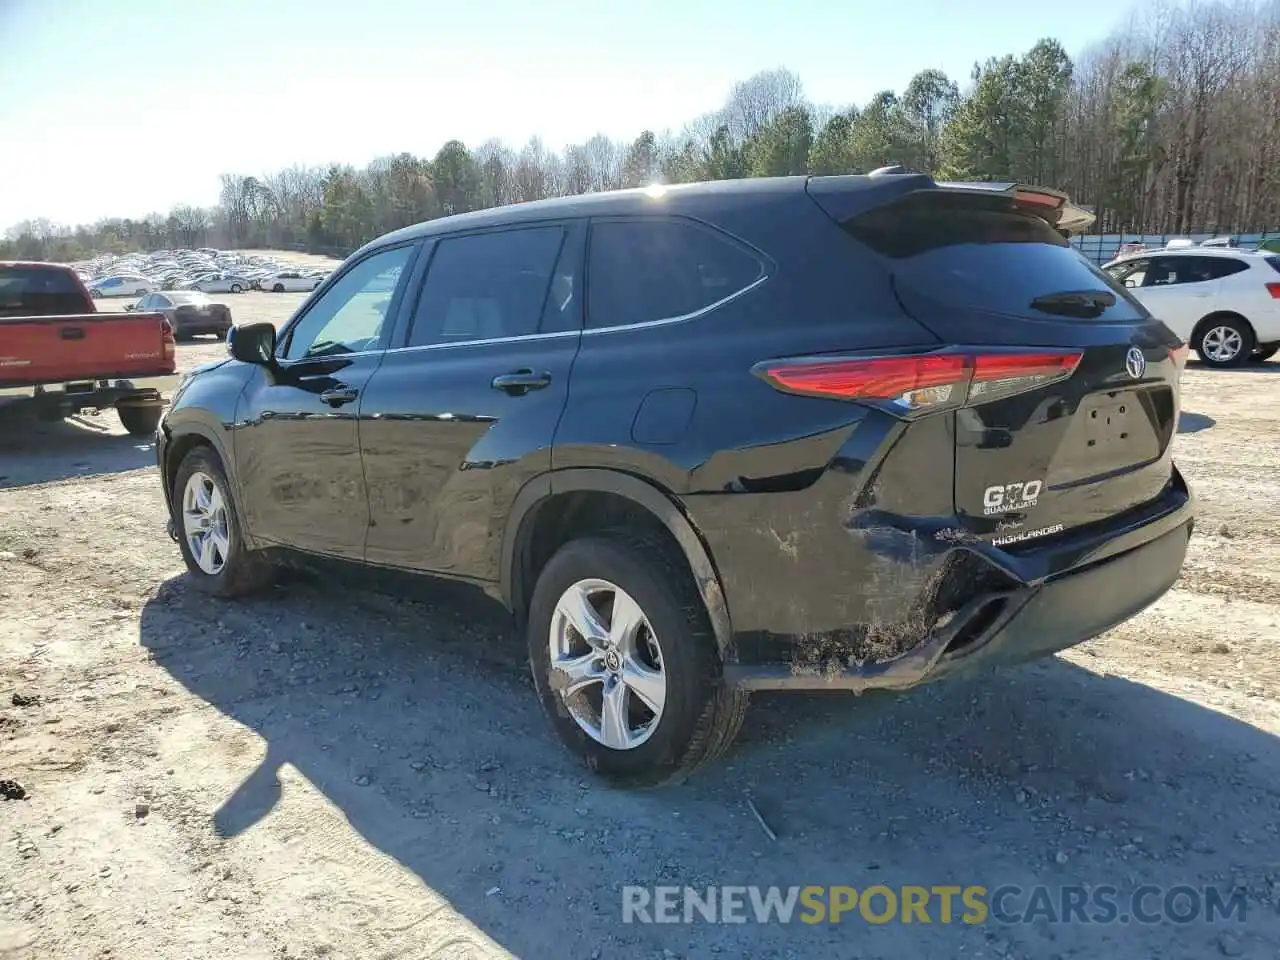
x=606 y=664
x=204 y=523
x=1222 y=344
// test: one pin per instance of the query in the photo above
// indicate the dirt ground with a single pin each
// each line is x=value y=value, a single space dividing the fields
x=324 y=773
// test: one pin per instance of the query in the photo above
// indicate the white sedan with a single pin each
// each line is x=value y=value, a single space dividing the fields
x=1224 y=303
x=290 y=281
x=221 y=283
x=122 y=285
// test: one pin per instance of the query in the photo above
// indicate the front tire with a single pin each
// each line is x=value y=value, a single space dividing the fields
x=278 y=288
x=209 y=531
x=625 y=662
x=1225 y=341
x=236 y=288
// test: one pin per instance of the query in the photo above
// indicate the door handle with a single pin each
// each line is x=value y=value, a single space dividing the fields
x=337 y=396
x=519 y=382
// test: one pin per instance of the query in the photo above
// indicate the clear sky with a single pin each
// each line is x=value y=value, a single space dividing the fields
x=121 y=107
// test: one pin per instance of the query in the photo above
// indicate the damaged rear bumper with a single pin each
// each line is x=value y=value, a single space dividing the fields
x=1038 y=616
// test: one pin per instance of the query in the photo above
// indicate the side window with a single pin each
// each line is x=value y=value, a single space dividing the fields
x=1132 y=273
x=351 y=314
x=645 y=270
x=491 y=285
x=159 y=303
x=1163 y=272
x=1168 y=271
x=1220 y=267
x=146 y=303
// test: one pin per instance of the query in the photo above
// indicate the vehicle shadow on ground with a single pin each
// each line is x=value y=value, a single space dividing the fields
x=419 y=723
x=38 y=451
x=1266 y=367
x=1194 y=422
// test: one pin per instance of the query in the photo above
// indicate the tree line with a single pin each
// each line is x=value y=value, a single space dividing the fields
x=1171 y=125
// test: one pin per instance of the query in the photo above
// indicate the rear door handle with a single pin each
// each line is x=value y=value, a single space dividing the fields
x=72 y=333
x=519 y=382
x=337 y=396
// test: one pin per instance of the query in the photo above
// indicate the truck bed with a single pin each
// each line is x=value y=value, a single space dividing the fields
x=37 y=351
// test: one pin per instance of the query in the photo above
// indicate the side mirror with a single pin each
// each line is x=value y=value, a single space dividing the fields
x=253 y=343
x=130 y=306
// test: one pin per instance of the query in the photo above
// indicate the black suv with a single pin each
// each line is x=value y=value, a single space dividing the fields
x=825 y=433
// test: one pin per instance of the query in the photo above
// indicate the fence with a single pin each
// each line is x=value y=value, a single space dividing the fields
x=1100 y=248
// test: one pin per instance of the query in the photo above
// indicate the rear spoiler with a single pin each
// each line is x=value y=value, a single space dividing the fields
x=845 y=197
x=1054 y=205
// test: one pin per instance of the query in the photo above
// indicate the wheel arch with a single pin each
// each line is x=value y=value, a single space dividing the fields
x=516 y=574
x=1209 y=318
x=180 y=443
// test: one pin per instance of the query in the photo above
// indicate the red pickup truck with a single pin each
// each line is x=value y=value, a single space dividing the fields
x=58 y=352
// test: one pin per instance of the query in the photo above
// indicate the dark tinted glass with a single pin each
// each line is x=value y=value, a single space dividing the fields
x=38 y=291
x=1275 y=263
x=488 y=286
x=1169 y=271
x=980 y=253
x=1220 y=267
x=644 y=270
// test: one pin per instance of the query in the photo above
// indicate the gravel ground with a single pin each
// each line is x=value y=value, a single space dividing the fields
x=329 y=773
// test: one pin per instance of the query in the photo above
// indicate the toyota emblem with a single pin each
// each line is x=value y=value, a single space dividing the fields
x=1135 y=363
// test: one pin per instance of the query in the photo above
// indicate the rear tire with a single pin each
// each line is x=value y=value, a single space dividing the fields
x=1264 y=352
x=278 y=288
x=1224 y=341
x=140 y=420
x=224 y=567
x=699 y=715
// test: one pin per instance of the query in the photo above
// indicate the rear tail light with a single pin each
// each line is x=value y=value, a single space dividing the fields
x=168 y=344
x=913 y=386
x=1274 y=290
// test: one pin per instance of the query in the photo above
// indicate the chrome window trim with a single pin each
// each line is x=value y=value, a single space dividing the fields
x=591 y=331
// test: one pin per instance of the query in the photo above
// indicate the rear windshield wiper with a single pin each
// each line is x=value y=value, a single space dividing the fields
x=1075 y=303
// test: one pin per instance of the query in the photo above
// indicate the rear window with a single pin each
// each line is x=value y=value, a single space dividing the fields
x=1275 y=263
x=38 y=291
x=981 y=253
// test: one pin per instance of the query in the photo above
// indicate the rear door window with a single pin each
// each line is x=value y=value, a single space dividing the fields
x=979 y=253
x=644 y=270
x=489 y=286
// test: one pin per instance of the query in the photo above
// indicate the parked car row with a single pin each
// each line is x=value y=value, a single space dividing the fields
x=205 y=270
